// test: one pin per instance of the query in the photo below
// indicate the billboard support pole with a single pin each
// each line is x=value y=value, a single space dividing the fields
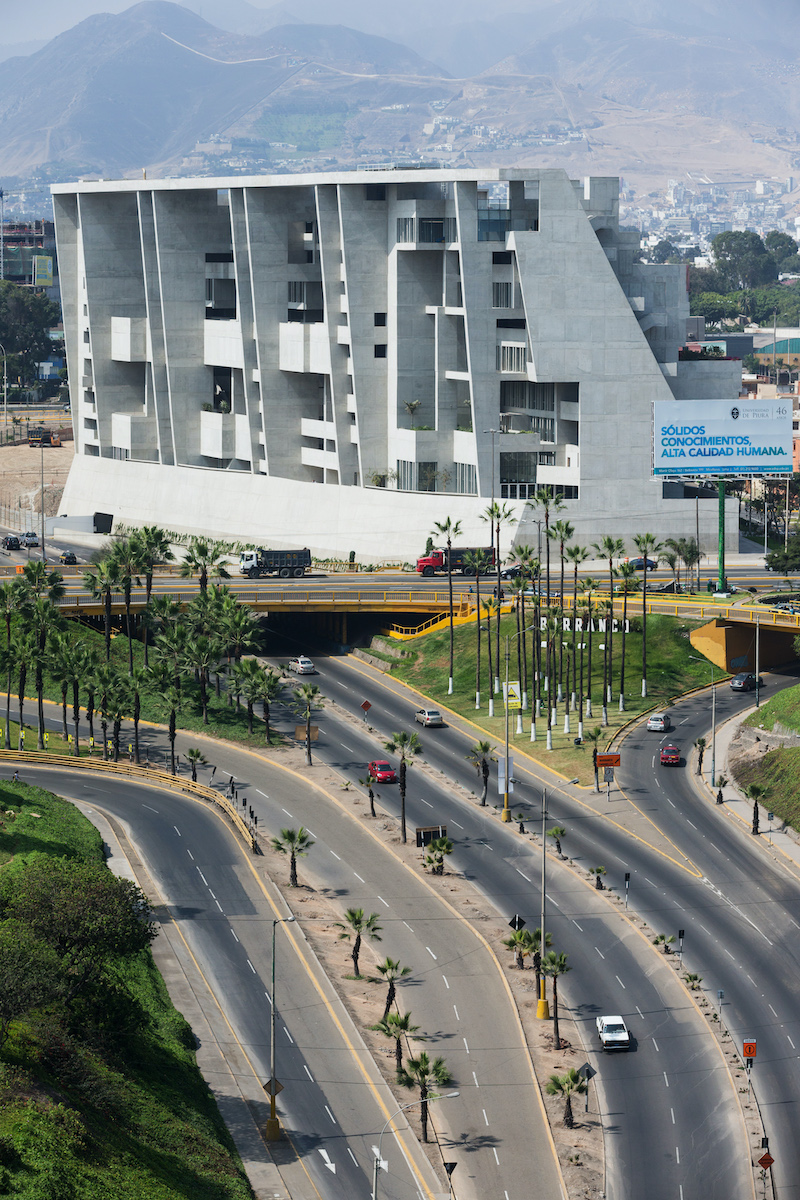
x=721 y=537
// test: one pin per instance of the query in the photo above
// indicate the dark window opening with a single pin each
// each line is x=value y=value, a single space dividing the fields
x=380 y=351
x=380 y=320
x=220 y=256
x=511 y=323
x=374 y=191
x=502 y=258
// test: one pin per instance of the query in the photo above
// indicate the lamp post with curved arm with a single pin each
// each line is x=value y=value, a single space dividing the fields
x=713 y=717
x=273 y=1130
x=402 y=1108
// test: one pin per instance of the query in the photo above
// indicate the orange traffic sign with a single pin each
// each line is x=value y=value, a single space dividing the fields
x=749 y=1049
x=608 y=760
x=766 y=1160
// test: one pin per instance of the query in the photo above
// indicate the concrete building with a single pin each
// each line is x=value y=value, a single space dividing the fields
x=338 y=361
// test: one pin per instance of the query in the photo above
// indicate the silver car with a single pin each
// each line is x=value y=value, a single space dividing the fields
x=428 y=716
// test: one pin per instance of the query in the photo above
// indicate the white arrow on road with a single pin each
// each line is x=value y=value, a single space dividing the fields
x=384 y=1162
x=326 y=1158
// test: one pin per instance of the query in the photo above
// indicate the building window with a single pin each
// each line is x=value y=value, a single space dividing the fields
x=379 y=320
x=502 y=295
x=380 y=350
x=86 y=335
x=296 y=291
x=218 y=256
x=450 y=229
x=406 y=475
x=406 y=229
x=519 y=394
x=466 y=479
x=426 y=476
x=511 y=358
x=431 y=231
x=547 y=458
x=502 y=258
x=374 y=191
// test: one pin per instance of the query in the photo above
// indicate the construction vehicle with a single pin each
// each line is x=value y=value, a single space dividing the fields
x=274 y=562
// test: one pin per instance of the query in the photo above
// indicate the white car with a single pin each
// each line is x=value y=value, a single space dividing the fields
x=302 y=665
x=428 y=716
x=659 y=723
x=613 y=1033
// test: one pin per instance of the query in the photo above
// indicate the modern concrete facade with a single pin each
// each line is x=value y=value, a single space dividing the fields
x=338 y=361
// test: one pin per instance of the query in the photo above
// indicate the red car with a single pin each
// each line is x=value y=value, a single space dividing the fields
x=670 y=756
x=382 y=772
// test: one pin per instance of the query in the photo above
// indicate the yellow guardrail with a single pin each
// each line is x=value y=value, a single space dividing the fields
x=131 y=770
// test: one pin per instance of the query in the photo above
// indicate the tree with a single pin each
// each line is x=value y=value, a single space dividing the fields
x=577 y=555
x=200 y=655
x=491 y=608
x=355 y=927
x=609 y=548
x=426 y=1074
x=391 y=971
x=554 y=965
x=476 y=564
x=481 y=755
x=742 y=260
x=102 y=582
x=127 y=557
x=557 y=833
x=11 y=599
x=203 y=557
x=649 y=547
x=87 y=915
x=406 y=745
x=296 y=843
x=756 y=793
x=547 y=500
x=568 y=1085
x=152 y=547
x=519 y=942
x=43 y=618
x=29 y=974
x=66 y=665
x=780 y=247
x=308 y=697
x=438 y=849
x=368 y=783
x=138 y=683
x=397 y=1027
x=561 y=532
x=250 y=683
x=630 y=583
x=665 y=940
x=662 y=251
x=497 y=514
x=598 y=873
x=534 y=943
x=700 y=743
x=270 y=687
x=26 y=318
x=449 y=529
x=588 y=588
x=196 y=759
x=593 y=738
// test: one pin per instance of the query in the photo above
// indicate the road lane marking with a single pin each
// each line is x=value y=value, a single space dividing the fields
x=407 y=926
x=524 y=876
x=727 y=951
x=668 y=799
x=350 y=748
x=444 y=977
x=384 y=902
x=677 y=1156
x=289 y=1036
x=202 y=876
x=575 y=923
x=264 y=794
x=233 y=931
x=603 y=955
x=219 y=906
x=639 y=1011
x=426 y=802
x=708 y=931
x=175 y=827
x=431 y=953
x=213 y=897
x=552 y=901
x=750 y=977
x=287 y=812
x=330 y=1114
x=666 y=1081
x=269 y=998
x=649 y=881
x=466 y=1046
x=358 y=876
x=716 y=847
x=311 y=831
x=457 y=825
x=486 y=1119
x=772 y=1010
x=475 y=1077
x=250 y=965
x=335 y=855
x=155 y=810
x=655 y=1043
x=791 y=1043
x=619 y=981
x=672 y=1114
x=455 y=1010
x=350 y=1152
x=496 y=1159
x=191 y=856
x=688 y=822
x=308 y=1073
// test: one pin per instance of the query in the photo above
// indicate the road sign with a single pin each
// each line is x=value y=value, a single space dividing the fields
x=766 y=1161
x=272 y=1087
x=516 y=922
x=608 y=760
x=608 y=774
x=300 y=733
x=749 y=1048
x=588 y=1072
x=366 y=706
x=514 y=694
x=501 y=775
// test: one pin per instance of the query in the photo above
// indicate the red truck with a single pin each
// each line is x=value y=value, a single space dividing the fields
x=436 y=561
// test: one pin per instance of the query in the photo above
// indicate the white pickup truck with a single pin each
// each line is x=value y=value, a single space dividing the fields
x=613 y=1033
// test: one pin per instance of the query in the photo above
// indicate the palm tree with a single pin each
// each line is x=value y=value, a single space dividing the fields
x=568 y=1085
x=102 y=582
x=368 y=783
x=200 y=655
x=438 y=849
x=576 y=555
x=518 y=941
x=491 y=607
x=249 y=683
x=630 y=583
x=664 y=940
x=648 y=546
x=238 y=627
x=557 y=833
x=11 y=598
x=598 y=873
x=65 y=663
x=406 y=745
x=171 y=647
x=530 y=567
x=547 y=500
x=700 y=743
x=449 y=529
x=497 y=514
x=391 y=972
x=270 y=687
x=203 y=557
x=481 y=755
x=152 y=546
x=476 y=563
x=534 y=943
x=42 y=617
x=307 y=698
x=139 y=682
x=23 y=648
x=609 y=548
x=355 y=927
x=589 y=587
x=397 y=1027
x=128 y=562
x=593 y=738
x=756 y=793
x=426 y=1074
x=554 y=965
x=561 y=532
x=296 y=843
x=39 y=581
x=196 y=759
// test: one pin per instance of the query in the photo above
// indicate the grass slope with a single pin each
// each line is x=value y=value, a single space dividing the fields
x=118 y=1109
x=671 y=669
x=779 y=770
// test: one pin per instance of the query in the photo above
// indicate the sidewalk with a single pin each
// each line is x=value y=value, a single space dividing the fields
x=782 y=843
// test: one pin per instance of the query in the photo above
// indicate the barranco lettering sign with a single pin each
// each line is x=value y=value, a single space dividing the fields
x=591 y=625
x=722 y=437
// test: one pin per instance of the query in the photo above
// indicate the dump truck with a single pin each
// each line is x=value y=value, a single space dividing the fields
x=274 y=562
x=436 y=562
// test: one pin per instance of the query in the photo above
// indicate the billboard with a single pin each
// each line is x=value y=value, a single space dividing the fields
x=42 y=271
x=722 y=437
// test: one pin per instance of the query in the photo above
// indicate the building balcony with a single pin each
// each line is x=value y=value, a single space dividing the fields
x=134 y=432
x=129 y=339
x=304 y=348
x=222 y=344
x=318 y=429
x=217 y=434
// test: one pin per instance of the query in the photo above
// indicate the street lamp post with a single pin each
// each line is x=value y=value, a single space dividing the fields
x=402 y=1108
x=5 y=385
x=542 y=1007
x=509 y=638
x=273 y=1130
